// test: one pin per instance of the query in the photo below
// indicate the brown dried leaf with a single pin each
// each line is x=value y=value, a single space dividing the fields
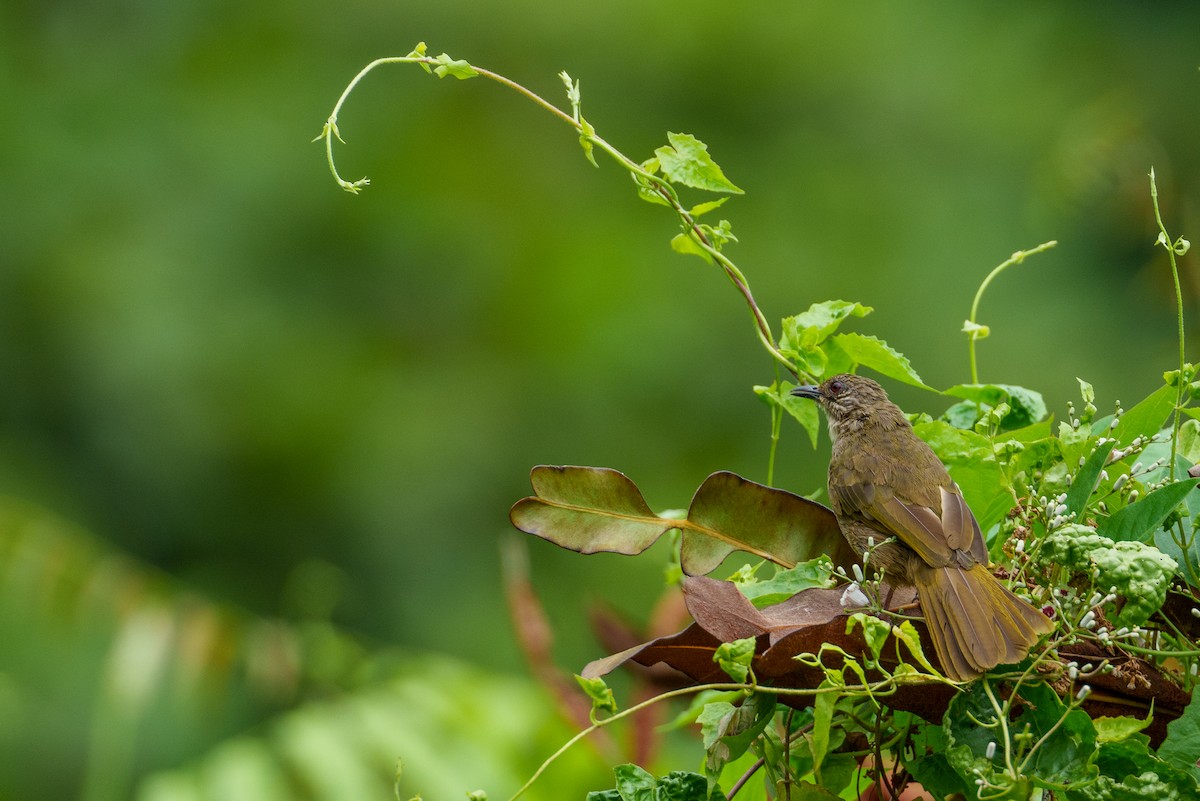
x=690 y=652
x=811 y=618
x=590 y=509
x=731 y=513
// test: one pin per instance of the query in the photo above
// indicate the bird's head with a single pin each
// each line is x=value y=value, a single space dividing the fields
x=852 y=402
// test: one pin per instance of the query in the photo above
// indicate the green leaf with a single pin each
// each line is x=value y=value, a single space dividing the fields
x=637 y=784
x=837 y=360
x=875 y=631
x=975 y=330
x=686 y=161
x=813 y=326
x=458 y=68
x=586 y=133
x=701 y=209
x=1026 y=406
x=1067 y=751
x=1187 y=556
x=801 y=410
x=698 y=703
x=1040 y=448
x=1138 y=521
x=714 y=720
x=679 y=785
x=1120 y=727
x=728 y=731
x=735 y=658
x=419 y=52
x=907 y=634
x=648 y=190
x=1182 y=746
x=964 y=415
x=600 y=694
x=805 y=338
x=823 y=706
x=934 y=773
x=685 y=243
x=1088 y=478
x=970 y=723
x=1086 y=391
x=769 y=749
x=873 y=352
x=1066 y=740
x=838 y=770
x=1188 y=445
x=1130 y=772
x=634 y=783
x=807 y=791
x=787 y=582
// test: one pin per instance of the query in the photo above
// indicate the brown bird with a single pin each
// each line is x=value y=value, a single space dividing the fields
x=884 y=482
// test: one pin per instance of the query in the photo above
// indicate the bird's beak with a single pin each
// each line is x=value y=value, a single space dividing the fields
x=807 y=391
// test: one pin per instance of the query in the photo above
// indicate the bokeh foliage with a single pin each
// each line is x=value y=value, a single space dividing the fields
x=304 y=404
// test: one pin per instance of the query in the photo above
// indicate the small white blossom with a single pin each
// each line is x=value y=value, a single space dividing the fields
x=853 y=596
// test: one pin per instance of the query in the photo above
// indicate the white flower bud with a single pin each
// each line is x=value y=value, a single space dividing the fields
x=853 y=596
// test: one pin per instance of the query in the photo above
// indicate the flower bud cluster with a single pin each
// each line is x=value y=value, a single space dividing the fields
x=1135 y=446
x=1057 y=509
x=1075 y=671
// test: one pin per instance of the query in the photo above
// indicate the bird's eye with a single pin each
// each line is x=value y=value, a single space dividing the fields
x=836 y=387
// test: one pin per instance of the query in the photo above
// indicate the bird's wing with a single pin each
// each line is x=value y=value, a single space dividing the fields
x=935 y=538
x=959 y=524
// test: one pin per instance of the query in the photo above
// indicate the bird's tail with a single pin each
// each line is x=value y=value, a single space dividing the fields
x=975 y=622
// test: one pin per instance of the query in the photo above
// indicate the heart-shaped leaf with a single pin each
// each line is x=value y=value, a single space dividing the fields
x=591 y=509
x=588 y=509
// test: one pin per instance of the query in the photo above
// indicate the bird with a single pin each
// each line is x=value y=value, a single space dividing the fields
x=893 y=496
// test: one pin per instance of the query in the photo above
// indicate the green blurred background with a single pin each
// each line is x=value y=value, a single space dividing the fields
x=269 y=399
